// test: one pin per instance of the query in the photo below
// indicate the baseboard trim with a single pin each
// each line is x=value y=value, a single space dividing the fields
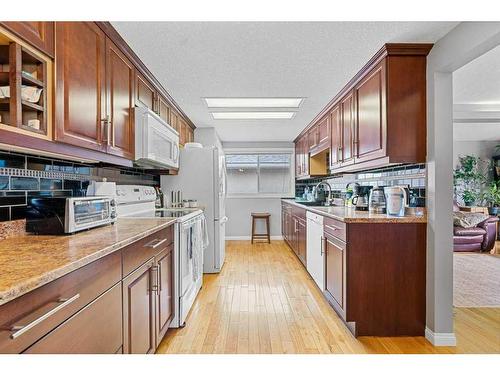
x=248 y=238
x=440 y=339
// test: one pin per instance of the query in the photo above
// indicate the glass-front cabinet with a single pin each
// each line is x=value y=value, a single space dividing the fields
x=25 y=88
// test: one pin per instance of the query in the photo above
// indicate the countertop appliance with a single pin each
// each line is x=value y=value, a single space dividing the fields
x=156 y=142
x=360 y=200
x=202 y=176
x=191 y=240
x=315 y=258
x=65 y=215
x=377 y=200
x=396 y=198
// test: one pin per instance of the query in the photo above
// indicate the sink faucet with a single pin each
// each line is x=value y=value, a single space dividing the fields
x=329 y=197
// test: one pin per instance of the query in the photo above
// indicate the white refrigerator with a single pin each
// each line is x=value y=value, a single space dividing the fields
x=202 y=176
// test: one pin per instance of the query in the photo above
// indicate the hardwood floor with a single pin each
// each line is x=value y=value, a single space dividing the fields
x=264 y=301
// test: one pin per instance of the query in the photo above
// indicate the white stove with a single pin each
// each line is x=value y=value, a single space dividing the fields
x=191 y=239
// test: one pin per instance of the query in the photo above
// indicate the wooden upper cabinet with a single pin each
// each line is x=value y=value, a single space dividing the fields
x=347 y=127
x=163 y=109
x=370 y=96
x=174 y=120
x=312 y=138
x=120 y=97
x=323 y=131
x=182 y=130
x=298 y=157
x=190 y=134
x=80 y=81
x=145 y=93
x=38 y=33
x=336 y=138
x=305 y=156
x=379 y=118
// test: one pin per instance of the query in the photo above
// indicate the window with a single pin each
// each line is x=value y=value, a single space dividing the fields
x=259 y=174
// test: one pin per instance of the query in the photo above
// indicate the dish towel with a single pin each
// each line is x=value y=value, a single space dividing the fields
x=200 y=243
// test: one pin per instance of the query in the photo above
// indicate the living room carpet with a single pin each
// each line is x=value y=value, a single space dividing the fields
x=476 y=280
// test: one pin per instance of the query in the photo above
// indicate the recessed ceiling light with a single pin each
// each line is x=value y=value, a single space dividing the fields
x=253 y=102
x=252 y=115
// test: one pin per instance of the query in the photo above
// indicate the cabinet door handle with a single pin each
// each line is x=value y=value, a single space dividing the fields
x=18 y=330
x=106 y=122
x=155 y=243
x=154 y=279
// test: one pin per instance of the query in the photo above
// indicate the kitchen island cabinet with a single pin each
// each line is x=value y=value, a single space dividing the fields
x=374 y=280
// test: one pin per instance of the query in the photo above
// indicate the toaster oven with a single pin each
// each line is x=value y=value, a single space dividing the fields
x=64 y=215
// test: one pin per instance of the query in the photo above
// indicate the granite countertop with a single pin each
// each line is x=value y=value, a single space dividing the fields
x=30 y=261
x=350 y=215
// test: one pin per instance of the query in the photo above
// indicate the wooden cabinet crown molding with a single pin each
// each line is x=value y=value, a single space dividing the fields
x=111 y=32
x=39 y=34
x=388 y=49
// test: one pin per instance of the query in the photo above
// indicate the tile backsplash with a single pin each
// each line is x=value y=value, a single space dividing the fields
x=412 y=175
x=23 y=177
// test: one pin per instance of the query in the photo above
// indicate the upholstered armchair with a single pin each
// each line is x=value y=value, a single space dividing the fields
x=479 y=238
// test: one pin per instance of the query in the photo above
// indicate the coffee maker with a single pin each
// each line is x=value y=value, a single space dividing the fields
x=360 y=201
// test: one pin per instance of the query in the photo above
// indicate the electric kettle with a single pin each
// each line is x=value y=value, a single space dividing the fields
x=396 y=198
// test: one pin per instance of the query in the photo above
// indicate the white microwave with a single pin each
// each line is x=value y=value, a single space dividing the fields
x=156 y=142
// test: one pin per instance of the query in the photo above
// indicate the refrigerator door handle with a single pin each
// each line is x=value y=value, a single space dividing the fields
x=222 y=220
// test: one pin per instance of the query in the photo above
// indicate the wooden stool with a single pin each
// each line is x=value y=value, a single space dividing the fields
x=261 y=236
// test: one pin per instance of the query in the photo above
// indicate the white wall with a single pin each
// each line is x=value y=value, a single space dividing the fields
x=464 y=43
x=238 y=210
x=483 y=149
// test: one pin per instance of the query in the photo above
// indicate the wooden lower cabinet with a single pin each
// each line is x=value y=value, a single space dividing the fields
x=335 y=267
x=374 y=272
x=301 y=240
x=148 y=303
x=375 y=277
x=165 y=293
x=96 y=329
x=294 y=229
x=139 y=311
x=121 y=303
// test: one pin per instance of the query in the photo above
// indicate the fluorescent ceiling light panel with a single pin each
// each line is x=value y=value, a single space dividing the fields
x=252 y=115
x=253 y=102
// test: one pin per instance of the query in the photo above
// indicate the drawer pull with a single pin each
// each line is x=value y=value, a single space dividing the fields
x=19 y=330
x=155 y=243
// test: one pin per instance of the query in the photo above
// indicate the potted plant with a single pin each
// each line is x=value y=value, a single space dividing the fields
x=469 y=178
x=492 y=198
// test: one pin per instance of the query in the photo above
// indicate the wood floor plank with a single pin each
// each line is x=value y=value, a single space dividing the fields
x=264 y=301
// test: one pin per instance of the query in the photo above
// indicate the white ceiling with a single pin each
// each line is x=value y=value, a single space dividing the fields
x=476 y=97
x=478 y=82
x=194 y=60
